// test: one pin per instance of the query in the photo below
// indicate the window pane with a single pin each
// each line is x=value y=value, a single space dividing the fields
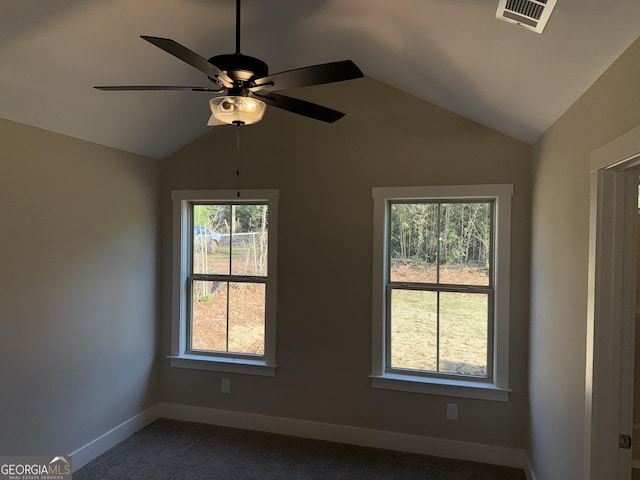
x=211 y=225
x=414 y=329
x=209 y=316
x=463 y=333
x=465 y=252
x=250 y=239
x=246 y=318
x=413 y=248
x=245 y=314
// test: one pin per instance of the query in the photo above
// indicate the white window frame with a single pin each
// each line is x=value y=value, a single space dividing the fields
x=264 y=365
x=497 y=386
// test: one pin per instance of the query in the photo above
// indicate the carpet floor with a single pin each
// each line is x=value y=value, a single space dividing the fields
x=168 y=449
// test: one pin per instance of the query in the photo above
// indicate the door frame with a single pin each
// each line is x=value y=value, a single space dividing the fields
x=611 y=307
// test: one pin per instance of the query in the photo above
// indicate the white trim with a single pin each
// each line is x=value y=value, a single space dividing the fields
x=501 y=194
x=605 y=325
x=403 y=442
x=96 y=447
x=179 y=356
x=617 y=151
x=627 y=266
x=224 y=364
x=528 y=469
x=610 y=315
x=178 y=274
x=441 y=386
x=207 y=195
x=488 y=191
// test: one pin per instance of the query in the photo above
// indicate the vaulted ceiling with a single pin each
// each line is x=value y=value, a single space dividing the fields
x=453 y=53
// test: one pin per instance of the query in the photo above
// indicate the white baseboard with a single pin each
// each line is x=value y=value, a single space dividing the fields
x=108 y=440
x=528 y=469
x=492 y=454
x=403 y=442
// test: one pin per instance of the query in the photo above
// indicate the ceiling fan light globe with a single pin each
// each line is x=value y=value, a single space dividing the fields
x=236 y=109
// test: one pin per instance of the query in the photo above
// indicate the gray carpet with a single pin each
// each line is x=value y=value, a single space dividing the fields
x=168 y=449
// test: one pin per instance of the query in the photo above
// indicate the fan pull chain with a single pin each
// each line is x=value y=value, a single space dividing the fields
x=238 y=125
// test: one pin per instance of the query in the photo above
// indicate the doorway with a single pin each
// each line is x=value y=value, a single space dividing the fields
x=613 y=243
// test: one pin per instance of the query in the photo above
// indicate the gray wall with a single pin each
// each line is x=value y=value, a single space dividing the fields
x=325 y=174
x=78 y=308
x=608 y=109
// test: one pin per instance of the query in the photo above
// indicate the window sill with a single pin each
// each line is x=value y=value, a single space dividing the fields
x=224 y=364
x=440 y=386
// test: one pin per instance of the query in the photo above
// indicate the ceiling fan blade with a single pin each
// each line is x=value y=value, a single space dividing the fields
x=183 y=53
x=307 y=76
x=120 y=88
x=301 y=107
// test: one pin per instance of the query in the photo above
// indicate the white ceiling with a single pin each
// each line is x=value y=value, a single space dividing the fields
x=453 y=53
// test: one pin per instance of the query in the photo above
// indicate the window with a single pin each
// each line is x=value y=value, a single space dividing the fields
x=224 y=281
x=441 y=290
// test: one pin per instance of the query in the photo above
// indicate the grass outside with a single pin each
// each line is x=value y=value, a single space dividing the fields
x=463 y=332
x=463 y=328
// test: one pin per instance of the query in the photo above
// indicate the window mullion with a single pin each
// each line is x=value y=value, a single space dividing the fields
x=232 y=212
x=387 y=293
x=228 y=303
x=438 y=332
x=387 y=352
x=441 y=288
x=189 y=313
x=232 y=228
x=490 y=335
x=227 y=278
x=438 y=232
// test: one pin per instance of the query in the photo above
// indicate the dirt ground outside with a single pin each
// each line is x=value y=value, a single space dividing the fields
x=246 y=318
x=455 y=275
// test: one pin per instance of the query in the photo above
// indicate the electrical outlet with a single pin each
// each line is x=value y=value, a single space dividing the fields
x=226 y=385
x=452 y=411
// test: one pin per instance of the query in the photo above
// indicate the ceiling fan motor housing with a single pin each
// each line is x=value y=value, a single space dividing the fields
x=242 y=84
x=240 y=67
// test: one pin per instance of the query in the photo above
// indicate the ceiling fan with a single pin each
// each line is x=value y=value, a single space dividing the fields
x=243 y=87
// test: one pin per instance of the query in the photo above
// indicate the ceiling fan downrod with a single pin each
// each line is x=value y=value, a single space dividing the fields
x=237 y=27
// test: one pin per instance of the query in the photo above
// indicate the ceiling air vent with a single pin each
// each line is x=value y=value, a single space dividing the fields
x=530 y=14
